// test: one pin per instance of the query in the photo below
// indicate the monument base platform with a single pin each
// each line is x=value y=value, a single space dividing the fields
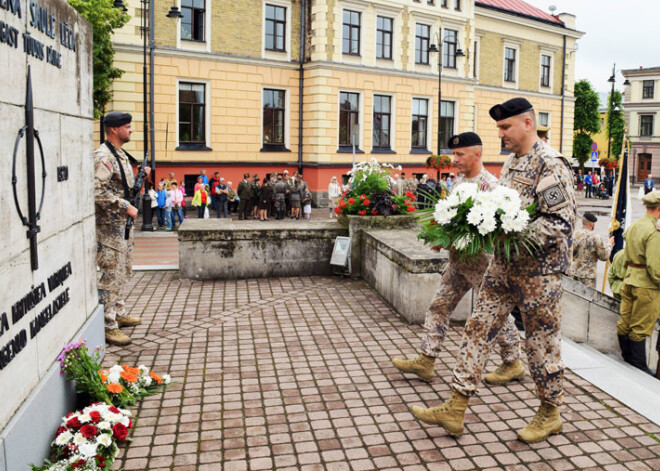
x=26 y=439
x=222 y=249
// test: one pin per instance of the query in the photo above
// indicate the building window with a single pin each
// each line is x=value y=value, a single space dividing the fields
x=545 y=70
x=647 y=88
x=192 y=23
x=544 y=118
x=351 y=42
x=349 y=115
x=422 y=35
x=275 y=28
x=192 y=113
x=646 y=125
x=420 y=119
x=446 y=122
x=509 y=64
x=457 y=5
x=443 y=3
x=382 y=120
x=384 y=37
x=273 y=117
x=449 y=52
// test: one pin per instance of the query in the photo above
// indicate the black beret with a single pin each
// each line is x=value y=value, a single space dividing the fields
x=115 y=119
x=590 y=217
x=465 y=139
x=513 y=107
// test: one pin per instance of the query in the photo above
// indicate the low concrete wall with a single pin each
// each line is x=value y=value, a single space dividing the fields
x=406 y=272
x=221 y=249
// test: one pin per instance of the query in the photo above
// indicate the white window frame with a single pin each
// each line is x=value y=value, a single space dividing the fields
x=552 y=69
x=392 y=119
x=276 y=55
x=287 y=114
x=429 y=120
x=515 y=46
x=204 y=46
x=360 y=94
x=207 y=107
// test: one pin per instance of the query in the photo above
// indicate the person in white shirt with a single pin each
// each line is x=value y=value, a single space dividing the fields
x=334 y=192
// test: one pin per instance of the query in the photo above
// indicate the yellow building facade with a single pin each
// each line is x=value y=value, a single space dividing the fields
x=227 y=81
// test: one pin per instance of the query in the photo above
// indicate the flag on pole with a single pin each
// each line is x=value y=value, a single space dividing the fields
x=621 y=218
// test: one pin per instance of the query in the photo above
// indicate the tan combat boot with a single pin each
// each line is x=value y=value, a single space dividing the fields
x=422 y=366
x=505 y=373
x=547 y=422
x=117 y=337
x=449 y=415
x=128 y=321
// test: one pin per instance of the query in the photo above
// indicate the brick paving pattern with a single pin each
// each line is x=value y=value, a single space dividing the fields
x=295 y=374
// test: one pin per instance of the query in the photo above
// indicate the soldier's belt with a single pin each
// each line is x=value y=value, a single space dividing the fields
x=637 y=265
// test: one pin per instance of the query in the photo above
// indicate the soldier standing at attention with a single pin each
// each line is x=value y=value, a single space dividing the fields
x=543 y=177
x=459 y=277
x=280 y=190
x=113 y=182
x=243 y=191
x=640 y=292
x=588 y=248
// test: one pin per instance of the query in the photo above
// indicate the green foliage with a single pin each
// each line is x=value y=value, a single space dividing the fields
x=587 y=120
x=104 y=19
x=615 y=120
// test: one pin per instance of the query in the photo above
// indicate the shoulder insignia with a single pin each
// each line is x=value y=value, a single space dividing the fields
x=552 y=193
x=108 y=164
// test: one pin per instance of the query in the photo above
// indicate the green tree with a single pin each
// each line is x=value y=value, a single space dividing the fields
x=587 y=120
x=104 y=19
x=615 y=120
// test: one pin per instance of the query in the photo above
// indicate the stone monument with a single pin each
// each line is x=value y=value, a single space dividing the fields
x=48 y=292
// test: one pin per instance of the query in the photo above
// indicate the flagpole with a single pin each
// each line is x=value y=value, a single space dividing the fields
x=614 y=209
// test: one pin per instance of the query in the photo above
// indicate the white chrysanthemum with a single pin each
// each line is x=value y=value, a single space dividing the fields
x=143 y=369
x=475 y=216
x=113 y=418
x=167 y=379
x=146 y=380
x=466 y=190
x=104 y=439
x=113 y=378
x=87 y=450
x=487 y=226
x=125 y=421
x=126 y=412
x=78 y=439
x=63 y=438
x=104 y=425
x=116 y=369
x=84 y=418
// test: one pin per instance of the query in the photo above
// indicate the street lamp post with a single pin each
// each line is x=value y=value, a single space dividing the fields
x=459 y=53
x=146 y=31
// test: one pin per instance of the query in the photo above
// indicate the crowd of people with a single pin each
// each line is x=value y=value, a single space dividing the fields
x=595 y=185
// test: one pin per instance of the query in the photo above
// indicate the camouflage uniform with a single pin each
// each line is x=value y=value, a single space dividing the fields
x=114 y=254
x=533 y=283
x=588 y=248
x=457 y=279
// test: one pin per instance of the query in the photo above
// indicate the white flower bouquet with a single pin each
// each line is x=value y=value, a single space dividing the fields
x=470 y=222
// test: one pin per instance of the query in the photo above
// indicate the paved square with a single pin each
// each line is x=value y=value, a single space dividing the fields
x=295 y=374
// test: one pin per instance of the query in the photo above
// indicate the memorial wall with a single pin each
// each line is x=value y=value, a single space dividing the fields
x=47 y=265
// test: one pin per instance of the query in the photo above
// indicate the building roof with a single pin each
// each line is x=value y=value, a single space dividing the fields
x=520 y=8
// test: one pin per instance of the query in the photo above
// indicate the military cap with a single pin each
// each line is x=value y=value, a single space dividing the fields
x=465 y=139
x=590 y=217
x=114 y=119
x=652 y=199
x=512 y=107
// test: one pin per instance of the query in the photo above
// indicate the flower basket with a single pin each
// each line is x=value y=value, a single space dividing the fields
x=371 y=193
x=609 y=164
x=439 y=162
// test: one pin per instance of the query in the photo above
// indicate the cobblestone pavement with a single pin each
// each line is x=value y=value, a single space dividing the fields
x=295 y=374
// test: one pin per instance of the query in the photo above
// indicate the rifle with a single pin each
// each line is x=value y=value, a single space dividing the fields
x=137 y=186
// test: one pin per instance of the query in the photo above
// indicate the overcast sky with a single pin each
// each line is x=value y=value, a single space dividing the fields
x=627 y=33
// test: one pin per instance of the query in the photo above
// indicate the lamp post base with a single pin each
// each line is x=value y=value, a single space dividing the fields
x=147 y=212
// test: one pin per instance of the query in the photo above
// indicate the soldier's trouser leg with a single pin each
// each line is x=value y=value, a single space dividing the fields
x=508 y=340
x=639 y=310
x=539 y=298
x=452 y=288
x=111 y=278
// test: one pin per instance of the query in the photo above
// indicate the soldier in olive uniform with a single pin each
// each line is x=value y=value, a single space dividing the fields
x=617 y=273
x=543 y=177
x=113 y=178
x=280 y=190
x=459 y=277
x=588 y=248
x=640 y=293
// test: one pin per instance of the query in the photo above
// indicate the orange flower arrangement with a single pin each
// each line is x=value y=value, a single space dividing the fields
x=128 y=376
x=115 y=388
x=155 y=377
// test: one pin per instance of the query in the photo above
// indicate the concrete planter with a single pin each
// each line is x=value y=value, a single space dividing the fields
x=358 y=224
